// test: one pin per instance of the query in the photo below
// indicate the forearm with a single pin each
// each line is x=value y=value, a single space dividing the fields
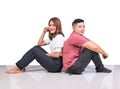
x=98 y=49
x=94 y=47
x=40 y=41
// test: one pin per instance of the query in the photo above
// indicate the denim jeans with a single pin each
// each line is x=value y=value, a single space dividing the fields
x=38 y=53
x=84 y=59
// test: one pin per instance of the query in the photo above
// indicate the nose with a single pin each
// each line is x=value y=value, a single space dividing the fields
x=82 y=29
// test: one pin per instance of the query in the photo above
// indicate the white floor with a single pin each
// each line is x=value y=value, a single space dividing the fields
x=37 y=78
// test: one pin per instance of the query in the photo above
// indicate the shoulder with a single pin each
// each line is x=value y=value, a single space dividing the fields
x=59 y=36
x=77 y=38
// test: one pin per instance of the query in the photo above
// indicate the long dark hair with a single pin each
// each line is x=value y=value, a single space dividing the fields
x=58 y=25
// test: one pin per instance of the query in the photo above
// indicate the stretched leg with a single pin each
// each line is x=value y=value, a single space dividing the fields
x=27 y=58
x=40 y=55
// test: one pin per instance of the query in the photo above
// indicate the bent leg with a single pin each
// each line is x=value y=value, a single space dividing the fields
x=27 y=58
x=38 y=53
x=81 y=63
x=84 y=59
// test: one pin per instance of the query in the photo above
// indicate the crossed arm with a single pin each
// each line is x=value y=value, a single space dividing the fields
x=95 y=47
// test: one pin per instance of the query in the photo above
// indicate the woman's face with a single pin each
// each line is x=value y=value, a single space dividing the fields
x=52 y=27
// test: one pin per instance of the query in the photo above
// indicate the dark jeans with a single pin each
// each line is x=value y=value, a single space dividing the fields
x=84 y=59
x=38 y=53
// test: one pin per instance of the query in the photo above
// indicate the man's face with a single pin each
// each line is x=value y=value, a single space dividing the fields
x=79 y=28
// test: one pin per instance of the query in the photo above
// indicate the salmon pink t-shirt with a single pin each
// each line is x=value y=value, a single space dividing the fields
x=72 y=49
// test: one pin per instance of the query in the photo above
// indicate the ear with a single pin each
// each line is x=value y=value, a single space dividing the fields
x=73 y=27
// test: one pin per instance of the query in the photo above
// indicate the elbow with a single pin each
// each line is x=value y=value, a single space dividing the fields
x=39 y=43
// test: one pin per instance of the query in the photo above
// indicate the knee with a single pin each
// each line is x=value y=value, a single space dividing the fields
x=36 y=46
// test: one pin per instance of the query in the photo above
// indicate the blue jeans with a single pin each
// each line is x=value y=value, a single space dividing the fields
x=38 y=53
x=84 y=59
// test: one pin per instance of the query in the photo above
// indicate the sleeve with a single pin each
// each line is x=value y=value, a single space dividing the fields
x=59 y=42
x=79 y=40
x=47 y=41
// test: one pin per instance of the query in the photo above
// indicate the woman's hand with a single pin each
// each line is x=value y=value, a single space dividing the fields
x=46 y=29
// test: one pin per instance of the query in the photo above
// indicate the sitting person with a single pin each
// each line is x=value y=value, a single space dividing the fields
x=78 y=51
x=52 y=62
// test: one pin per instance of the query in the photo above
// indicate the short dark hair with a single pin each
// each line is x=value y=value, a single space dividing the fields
x=77 y=21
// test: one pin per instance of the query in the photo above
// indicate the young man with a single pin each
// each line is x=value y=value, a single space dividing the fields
x=78 y=51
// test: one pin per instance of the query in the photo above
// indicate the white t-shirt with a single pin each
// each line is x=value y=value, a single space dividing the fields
x=56 y=44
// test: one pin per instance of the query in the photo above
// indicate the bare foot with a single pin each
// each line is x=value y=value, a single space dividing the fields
x=15 y=70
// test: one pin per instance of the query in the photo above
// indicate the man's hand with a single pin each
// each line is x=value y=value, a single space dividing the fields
x=105 y=55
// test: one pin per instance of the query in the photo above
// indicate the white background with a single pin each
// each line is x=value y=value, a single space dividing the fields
x=22 y=21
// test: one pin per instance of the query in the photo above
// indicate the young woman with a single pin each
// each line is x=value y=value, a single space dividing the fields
x=52 y=62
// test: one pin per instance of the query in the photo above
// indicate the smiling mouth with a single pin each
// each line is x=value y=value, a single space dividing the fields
x=51 y=29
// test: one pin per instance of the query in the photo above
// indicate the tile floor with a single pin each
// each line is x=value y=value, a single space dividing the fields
x=37 y=78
